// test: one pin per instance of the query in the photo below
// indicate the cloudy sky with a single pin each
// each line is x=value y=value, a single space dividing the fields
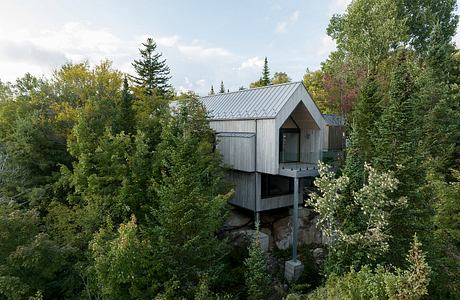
x=204 y=42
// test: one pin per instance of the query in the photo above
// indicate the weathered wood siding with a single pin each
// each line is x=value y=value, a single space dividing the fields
x=245 y=188
x=233 y=126
x=267 y=146
x=238 y=150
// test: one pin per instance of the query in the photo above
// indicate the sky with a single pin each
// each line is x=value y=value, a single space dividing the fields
x=204 y=42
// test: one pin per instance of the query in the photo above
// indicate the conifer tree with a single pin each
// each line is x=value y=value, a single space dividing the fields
x=396 y=150
x=126 y=122
x=192 y=196
x=152 y=73
x=257 y=276
x=222 y=88
x=211 y=92
x=266 y=73
x=361 y=148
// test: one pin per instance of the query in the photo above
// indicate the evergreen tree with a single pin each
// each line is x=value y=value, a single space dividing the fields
x=222 y=88
x=361 y=148
x=152 y=73
x=211 y=92
x=127 y=121
x=192 y=199
x=257 y=276
x=396 y=150
x=265 y=73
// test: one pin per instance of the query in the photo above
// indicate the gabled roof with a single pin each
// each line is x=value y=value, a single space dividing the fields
x=333 y=120
x=258 y=103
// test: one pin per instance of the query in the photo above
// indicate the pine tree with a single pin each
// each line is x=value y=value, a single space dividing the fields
x=396 y=150
x=361 y=148
x=266 y=73
x=211 y=92
x=126 y=122
x=192 y=196
x=257 y=276
x=152 y=73
x=222 y=88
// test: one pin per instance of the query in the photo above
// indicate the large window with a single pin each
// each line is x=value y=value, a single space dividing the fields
x=275 y=185
x=289 y=145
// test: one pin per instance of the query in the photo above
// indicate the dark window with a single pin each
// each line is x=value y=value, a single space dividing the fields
x=275 y=185
x=289 y=145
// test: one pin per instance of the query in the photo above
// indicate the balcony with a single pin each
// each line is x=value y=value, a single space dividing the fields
x=307 y=165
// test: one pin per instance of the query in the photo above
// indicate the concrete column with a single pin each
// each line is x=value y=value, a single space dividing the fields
x=293 y=268
x=295 y=219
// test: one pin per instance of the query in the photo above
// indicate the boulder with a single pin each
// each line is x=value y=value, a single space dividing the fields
x=282 y=233
x=236 y=219
x=247 y=235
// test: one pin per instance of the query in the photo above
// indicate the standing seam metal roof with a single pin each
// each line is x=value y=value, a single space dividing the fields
x=257 y=103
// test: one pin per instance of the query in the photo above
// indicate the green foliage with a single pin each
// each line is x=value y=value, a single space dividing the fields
x=152 y=73
x=192 y=197
x=257 y=276
x=380 y=283
x=280 y=77
x=222 y=88
x=123 y=267
x=30 y=261
x=371 y=205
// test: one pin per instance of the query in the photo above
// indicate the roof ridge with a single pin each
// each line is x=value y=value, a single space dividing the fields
x=252 y=89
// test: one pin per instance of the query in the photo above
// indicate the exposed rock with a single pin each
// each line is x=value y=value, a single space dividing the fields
x=268 y=232
x=282 y=233
x=247 y=235
x=236 y=219
x=309 y=234
x=318 y=255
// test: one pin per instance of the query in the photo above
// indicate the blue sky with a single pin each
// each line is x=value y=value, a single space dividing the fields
x=204 y=42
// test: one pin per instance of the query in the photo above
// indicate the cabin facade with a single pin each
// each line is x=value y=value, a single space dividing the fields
x=271 y=138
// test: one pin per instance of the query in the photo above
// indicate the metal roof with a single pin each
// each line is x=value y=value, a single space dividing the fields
x=258 y=103
x=333 y=120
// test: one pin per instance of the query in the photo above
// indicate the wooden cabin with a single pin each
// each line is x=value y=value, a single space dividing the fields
x=270 y=137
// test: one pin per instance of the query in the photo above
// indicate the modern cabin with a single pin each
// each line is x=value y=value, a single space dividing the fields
x=270 y=138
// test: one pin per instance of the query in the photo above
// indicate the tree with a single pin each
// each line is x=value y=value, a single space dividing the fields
x=152 y=73
x=363 y=126
x=357 y=224
x=257 y=277
x=211 y=92
x=313 y=81
x=280 y=77
x=264 y=80
x=127 y=116
x=222 y=88
x=192 y=197
x=265 y=73
x=381 y=283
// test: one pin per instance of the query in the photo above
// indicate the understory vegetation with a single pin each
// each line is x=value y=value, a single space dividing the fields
x=111 y=188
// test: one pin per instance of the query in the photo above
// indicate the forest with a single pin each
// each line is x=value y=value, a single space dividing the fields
x=111 y=188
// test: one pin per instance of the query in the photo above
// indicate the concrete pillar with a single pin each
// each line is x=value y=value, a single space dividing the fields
x=295 y=219
x=293 y=268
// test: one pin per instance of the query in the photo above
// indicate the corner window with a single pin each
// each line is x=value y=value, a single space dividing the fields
x=289 y=145
x=275 y=185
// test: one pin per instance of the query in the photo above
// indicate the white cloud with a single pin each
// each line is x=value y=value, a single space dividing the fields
x=325 y=46
x=281 y=27
x=200 y=51
x=456 y=38
x=338 y=6
x=251 y=63
x=294 y=17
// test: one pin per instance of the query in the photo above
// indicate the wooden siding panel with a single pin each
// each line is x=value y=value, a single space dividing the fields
x=267 y=146
x=244 y=185
x=233 y=126
x=238 y=151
